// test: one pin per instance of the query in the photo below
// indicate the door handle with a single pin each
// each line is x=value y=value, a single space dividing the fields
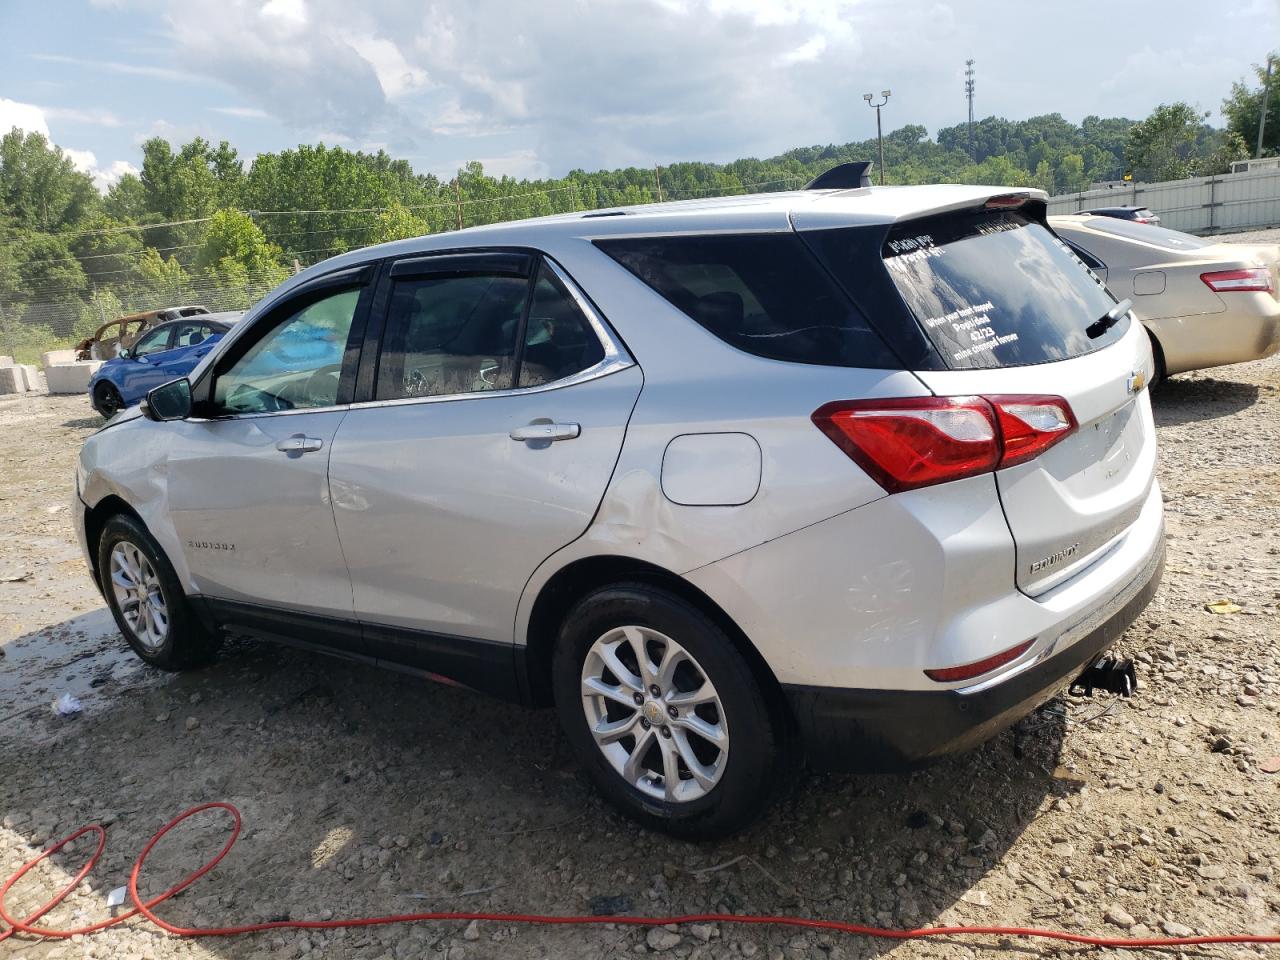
x=299 y=443
x=546 y=431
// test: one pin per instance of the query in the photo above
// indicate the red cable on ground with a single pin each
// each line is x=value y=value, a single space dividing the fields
x=26 y=925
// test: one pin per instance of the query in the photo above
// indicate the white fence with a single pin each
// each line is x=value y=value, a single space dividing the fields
x=1230 y=202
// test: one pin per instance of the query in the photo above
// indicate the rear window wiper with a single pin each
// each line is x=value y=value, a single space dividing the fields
x=1108 y=320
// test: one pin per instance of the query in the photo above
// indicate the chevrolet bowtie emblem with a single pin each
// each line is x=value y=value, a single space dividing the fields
x=1137 y=380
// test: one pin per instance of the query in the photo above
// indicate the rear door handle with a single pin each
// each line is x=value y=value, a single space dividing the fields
x=546 y=431
x=299 y=443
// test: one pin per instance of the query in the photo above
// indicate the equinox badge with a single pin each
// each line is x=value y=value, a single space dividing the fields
x=1055 y=558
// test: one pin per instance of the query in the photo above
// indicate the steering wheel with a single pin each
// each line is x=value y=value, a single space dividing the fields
x=245 y=398
x=316 y=392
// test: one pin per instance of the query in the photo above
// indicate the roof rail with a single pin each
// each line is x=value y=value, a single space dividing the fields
x=843 y=176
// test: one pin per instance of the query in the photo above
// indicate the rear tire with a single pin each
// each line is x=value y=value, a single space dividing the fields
x=107 y=400
x=655 y=738
x=1157 y=354
x=147 y=600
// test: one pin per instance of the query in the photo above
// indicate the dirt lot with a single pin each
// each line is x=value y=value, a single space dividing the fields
x=365 y=792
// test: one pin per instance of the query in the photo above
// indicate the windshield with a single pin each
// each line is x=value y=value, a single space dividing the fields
x=989 y=288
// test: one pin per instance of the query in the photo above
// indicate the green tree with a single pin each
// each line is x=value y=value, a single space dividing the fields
x=106 y=249
x=1243 y=108
x=40 y=188
x=126 y=201
x=1230 y=148
x=161 y=282
x=233 y=237
x=1160 y=147
x=397 y=223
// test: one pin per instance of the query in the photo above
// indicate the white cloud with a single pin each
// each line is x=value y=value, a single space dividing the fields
x=243 y=113
x=103 y=177
x=293 y=12
x=395 y=74
x=112 y=66
x=99 y=118
x=25 y=116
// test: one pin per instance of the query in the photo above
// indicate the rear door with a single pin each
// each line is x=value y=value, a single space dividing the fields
x=484 y=444
x=1011 y=311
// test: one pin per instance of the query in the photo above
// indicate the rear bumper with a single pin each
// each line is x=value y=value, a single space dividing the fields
x=885 y=730
x=1248 y=331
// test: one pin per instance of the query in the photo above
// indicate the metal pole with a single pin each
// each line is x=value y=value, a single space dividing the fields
x=880 y=140
x=1266 y=101
x=657 y=175
x=884 y=94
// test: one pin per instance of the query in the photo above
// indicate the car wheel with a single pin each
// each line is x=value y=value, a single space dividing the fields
x=1157 y=354
x=147 y=600
x=107 y=400
x=664 y=712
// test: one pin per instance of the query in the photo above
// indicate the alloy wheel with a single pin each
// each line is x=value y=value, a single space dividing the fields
x=139 y=595
x=654 y=714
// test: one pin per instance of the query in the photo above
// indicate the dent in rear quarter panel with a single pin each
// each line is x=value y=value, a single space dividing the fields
x=130 y=460
x=804 y=477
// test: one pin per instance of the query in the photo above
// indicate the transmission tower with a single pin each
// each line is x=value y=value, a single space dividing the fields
x=968 y=92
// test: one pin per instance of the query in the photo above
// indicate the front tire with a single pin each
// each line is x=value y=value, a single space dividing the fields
x=107 y=400
x=664 y=712
x=147 y=600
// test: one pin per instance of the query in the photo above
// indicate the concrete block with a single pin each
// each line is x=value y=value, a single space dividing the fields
x=71 y=377
x=6 y=362
x=12 y=380
x=47 y=360
x=31 y=374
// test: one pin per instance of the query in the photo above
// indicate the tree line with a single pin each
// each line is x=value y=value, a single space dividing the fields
x=198 y=219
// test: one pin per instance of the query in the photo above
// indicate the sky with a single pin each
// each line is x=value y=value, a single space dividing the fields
x=538 y=89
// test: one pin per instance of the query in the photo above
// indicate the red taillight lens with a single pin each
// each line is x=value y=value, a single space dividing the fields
x=1031 y=425
x=1252 y=280
x=910 y=442
x=968 y=671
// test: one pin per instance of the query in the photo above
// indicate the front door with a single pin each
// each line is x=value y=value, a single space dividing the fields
x=498 y=415
x=248 y=485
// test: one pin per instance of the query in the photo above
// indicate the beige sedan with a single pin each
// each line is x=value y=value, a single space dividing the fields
x=1204 y=302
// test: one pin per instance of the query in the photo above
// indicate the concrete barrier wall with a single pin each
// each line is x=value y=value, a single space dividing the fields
x=1227 y=203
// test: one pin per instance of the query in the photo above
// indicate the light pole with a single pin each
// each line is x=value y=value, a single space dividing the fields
x=1266 y=97
x=879 y=133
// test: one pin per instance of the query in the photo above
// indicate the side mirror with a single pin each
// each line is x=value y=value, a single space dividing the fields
x=169 y=401
x=123 y=353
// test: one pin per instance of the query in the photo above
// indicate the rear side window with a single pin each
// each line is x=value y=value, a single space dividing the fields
x=989 y=289
x=450 y=335
x=762 y=293
x=558 y=339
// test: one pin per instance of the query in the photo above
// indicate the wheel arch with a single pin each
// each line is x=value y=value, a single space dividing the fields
x=95 y=520
x=575 y=580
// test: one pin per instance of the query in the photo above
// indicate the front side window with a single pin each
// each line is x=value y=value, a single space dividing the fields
x=153 y=341
x=296 y=365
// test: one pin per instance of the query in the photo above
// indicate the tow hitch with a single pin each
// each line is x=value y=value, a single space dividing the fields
x=1109 y=674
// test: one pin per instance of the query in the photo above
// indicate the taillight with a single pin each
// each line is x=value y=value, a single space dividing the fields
x=968 y=671
x=1007 y=201
x=1251 y=280
x=1031 y=425
x=910 y=442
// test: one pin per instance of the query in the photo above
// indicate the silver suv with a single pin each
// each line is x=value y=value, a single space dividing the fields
x=857 y=476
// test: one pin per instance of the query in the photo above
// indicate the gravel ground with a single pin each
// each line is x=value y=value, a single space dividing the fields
x=365 y=792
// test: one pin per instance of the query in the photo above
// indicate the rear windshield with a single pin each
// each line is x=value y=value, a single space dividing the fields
x=762 y=293
x=989 y=289
x=1148 y=233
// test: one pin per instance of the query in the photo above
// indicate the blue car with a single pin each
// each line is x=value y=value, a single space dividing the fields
x=165 y=352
